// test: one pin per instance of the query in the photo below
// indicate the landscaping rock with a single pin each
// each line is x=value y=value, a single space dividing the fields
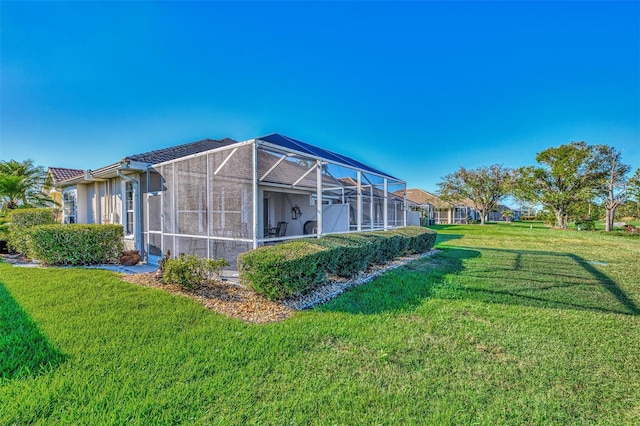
x=234 y=300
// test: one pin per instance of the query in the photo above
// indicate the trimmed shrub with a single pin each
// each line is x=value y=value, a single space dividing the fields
x=419 y=239
x=4 y=232
x=348 y=254
x=285 y=269
x=189 y=272
x=22 y=220
x=291 y=268
x=76 y=244
x=586 y=224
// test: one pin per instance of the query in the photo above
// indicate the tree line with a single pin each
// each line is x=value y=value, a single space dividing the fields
x=564 y=178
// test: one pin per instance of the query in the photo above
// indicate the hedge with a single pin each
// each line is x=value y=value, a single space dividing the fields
x=291 y=268
x=285 y=269
x=22 y=220
x=76 y=244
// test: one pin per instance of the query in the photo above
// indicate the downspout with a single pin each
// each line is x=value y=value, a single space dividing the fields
x=137 y=238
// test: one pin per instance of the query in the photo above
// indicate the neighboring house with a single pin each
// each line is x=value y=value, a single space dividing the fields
x=373 y=201
x=218 y=198
x=423 y=203
x=496 y=215
x=438 y=211
x=56 y=175
x=464 y=211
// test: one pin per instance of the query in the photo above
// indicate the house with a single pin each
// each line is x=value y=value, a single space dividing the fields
x=437 y=211
x=497 y=214
x=424 y=203
x=56 y=175
x=219 y=198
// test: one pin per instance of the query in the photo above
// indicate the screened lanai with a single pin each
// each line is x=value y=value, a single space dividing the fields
x=228 y=200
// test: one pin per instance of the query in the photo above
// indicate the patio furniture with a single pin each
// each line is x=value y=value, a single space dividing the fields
x=310 y=227
x=279 y=231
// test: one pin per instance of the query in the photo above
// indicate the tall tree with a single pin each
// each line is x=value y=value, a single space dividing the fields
x=614 y=187
x=634 y=189
x=485 y=187
x=568 y=175
x=21 y=183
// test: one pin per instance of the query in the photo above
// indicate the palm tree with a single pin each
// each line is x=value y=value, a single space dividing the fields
x=507 y=215
x=21 y=184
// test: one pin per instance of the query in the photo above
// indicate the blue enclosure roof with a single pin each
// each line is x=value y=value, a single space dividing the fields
x=305 y=148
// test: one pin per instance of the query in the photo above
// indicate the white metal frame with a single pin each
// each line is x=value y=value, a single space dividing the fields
x=258 y=184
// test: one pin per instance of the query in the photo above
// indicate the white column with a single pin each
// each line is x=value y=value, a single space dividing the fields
x=371 y=225
x=319 y=197
x=385 y=210
x=174 y=214
x=359 y=201
x=97 y=211
x=404 y=204
x=209 y=205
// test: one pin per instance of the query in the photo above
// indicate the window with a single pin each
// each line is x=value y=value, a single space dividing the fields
x=128 y=200
x=69 y=207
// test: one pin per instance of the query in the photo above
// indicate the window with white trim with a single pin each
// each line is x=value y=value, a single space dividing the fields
x=129 y=208
x=69 y=206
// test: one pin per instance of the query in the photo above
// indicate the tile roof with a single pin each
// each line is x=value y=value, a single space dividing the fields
x=171 y=153
x=58 y=174
x=421 y=197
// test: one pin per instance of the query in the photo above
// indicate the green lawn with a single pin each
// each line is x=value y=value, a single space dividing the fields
x=507 y=325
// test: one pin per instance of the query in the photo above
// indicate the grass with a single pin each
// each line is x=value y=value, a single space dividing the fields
x=506 y=325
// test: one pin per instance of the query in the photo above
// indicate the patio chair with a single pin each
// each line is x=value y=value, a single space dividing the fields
x=310 y=227
x=279 y=231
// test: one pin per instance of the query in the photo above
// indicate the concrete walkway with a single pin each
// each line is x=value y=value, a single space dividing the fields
x=141 y=268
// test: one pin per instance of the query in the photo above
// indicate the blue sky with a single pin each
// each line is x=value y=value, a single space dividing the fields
x=416 y=89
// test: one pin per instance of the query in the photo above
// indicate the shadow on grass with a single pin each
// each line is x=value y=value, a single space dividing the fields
x=403 y=288
x=504 y=276
x=24 y=351
x=445 y=226
x=610 y=285
x=443 y=238
x=544 y=279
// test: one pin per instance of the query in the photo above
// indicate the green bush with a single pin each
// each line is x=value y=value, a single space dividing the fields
x=285 y=269
x=21 y=222
x=190 y=271
x=4 y=231
x=76 y=244
x=586 y=224
x=420 y=240
x=348 y=254
x=291 y=268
